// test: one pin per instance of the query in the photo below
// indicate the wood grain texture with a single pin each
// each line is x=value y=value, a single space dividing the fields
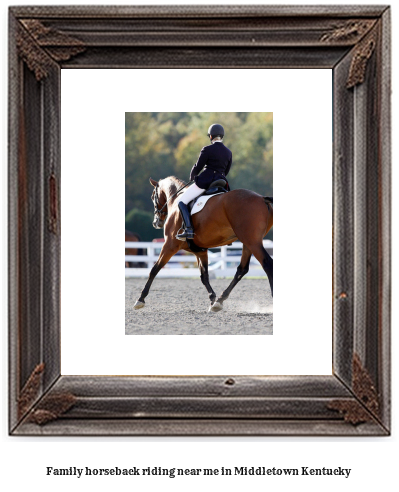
x=205 y=11
x=254 y=58
x=343 y=222
x=355 y=399
x=51 y=237
x=385 y=221
x=211 y=32
x=14 y=91
x=30 y=229
x=197 y=386
x=200 y=427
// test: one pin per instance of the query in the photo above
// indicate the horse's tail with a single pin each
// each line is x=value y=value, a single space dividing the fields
x=269 y=202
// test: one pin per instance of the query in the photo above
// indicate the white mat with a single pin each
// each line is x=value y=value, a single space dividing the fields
x=201 y=202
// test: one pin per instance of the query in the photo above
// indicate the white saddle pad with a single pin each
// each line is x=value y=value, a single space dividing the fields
x=200 y=202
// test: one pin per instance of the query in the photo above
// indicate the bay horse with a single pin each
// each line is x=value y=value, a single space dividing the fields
x=239 y=214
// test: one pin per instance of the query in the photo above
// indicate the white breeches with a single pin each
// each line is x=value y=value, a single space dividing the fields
x=191 y=192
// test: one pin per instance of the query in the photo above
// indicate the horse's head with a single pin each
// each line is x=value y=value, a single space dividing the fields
x=158 y=198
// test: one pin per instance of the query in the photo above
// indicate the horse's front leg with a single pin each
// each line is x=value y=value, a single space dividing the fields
x=242 y=270
x=167 y=251
x=202 y=260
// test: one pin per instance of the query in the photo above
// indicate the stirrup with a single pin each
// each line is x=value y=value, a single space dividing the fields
x=187 y=234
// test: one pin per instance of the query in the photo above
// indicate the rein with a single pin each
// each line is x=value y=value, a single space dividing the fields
x=158 y=211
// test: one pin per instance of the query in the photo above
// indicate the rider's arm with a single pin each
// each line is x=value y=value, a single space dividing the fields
x=202 y=160
x=228 y=165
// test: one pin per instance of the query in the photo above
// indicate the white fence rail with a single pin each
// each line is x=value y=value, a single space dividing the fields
x=223 y=261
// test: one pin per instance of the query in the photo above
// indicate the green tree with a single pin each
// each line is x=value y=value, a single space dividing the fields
x=140 y=222
x=161 y=144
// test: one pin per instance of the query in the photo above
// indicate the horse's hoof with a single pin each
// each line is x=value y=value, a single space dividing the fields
x=139 y=305
x=216 y=307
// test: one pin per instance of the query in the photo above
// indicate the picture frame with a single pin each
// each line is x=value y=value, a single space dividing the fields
x=352 y=41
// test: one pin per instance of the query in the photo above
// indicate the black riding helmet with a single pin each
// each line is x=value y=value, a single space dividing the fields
x=216 y=130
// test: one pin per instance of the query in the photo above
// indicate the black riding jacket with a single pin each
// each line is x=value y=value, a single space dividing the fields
x=216 y=161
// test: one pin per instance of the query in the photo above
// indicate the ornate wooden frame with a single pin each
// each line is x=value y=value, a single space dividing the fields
x=353 y=41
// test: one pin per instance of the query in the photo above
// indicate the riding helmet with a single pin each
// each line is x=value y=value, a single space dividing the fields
x=216 y=130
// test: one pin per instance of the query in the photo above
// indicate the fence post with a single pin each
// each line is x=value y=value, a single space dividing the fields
x=151 y=255
x=219 y=261
x=223 y=255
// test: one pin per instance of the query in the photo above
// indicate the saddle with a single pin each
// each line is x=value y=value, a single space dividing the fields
x=218 y=186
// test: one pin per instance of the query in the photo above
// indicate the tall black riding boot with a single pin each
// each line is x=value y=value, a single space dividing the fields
x=188 y=227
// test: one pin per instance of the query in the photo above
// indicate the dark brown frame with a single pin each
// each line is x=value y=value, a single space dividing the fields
x=353 y=41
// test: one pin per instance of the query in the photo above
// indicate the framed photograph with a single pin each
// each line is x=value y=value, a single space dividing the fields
x=352 y=44
x=201 y=275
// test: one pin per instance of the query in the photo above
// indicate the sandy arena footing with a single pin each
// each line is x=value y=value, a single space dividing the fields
x=180 y=307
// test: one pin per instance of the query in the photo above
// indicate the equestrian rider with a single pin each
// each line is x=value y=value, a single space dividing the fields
x=216 y=161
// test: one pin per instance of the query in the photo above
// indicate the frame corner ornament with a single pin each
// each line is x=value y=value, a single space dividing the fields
x=361 y=56
x=51 y=408
x=30 y=391
x=352 y=30
x=367 y=404
x=39 y=46
x=364 y=387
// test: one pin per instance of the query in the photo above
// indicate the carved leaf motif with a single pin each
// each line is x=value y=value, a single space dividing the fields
x=31 y=390
x=36 y=59
x=38 y=45
x=363 y=386
x=350 y=31
x=364 y=389
x=359 y=61
x=352 y=411
x=52 y=407
x=63 y=54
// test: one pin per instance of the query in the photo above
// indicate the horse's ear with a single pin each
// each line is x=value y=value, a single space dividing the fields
x=153 y=182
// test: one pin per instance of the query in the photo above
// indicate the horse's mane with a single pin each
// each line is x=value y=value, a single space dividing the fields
x=171 y=184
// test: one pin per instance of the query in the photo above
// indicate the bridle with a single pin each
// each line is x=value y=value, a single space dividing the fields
x=159 y=211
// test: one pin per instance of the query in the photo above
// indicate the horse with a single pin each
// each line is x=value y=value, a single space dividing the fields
x=133 y=237
x=235 y=215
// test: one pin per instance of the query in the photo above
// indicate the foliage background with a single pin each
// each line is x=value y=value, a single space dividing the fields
x=158 y=145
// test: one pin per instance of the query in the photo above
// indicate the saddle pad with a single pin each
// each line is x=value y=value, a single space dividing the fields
x=200 y=202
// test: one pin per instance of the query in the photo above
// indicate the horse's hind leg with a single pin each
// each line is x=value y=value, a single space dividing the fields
x=202 y=260
x=242 y=270
x=265 y=260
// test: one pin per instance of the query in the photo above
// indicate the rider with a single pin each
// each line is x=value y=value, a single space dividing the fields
x=216 y=161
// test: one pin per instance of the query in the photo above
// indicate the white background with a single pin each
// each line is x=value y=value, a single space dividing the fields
x=93 y=172
x=373 y=461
